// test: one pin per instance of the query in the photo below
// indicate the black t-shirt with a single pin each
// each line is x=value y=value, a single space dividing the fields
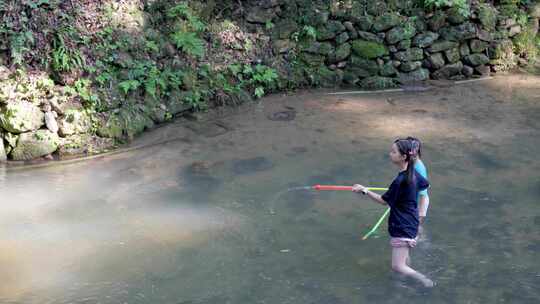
x=402 y=199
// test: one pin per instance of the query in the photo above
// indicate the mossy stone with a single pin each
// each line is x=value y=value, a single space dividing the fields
x=369 y=49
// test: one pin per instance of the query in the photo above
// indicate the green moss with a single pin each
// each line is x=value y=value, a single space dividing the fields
x=487 y=16
x=508 y=10
x=386 y=21
x=399 y=33
x=526 y=45
x=369 y=49
x=110 y=127
x=377 y=83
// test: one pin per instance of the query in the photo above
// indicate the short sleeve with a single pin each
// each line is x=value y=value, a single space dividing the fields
x=421 y=169
x=391 y=194
x=423 y=184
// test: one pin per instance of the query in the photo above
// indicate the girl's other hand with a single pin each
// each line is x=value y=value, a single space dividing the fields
x=358 y=188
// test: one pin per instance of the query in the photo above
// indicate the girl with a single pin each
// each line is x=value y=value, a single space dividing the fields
x=423 y=198
x=401 y=197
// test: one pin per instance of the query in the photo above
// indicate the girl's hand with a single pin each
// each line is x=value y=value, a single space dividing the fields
x=358 y=188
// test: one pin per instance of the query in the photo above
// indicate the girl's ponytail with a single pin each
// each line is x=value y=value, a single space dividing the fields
x=410 y=149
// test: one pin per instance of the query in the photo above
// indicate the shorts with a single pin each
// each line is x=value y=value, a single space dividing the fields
x=397 y=242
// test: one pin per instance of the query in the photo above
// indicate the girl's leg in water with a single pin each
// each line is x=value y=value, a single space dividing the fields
x=400 y=255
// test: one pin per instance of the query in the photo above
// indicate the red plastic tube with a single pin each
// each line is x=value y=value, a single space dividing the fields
x=327 y=187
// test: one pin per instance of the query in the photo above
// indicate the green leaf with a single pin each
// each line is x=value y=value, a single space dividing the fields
x=128 y=85
x=180 y=10
x=235 y=69
x=189 y=43
x=259 y=92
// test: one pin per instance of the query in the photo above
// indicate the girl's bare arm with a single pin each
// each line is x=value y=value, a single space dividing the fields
x=374 y=196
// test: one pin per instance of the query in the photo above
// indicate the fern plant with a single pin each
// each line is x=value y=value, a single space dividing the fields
x=65 y=59
x=83 y=88
x=260 y=77
x=189 y=43
x=129 y=85
x=183 y=11
x=186 y=36
x=196 y=100
x=19 y=45
x=179 y=10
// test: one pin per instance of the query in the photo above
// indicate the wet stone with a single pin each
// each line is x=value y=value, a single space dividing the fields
x=212 y=129
x=299 y=150
x=198 y=176
x=282 y=116
x=250 y=165
x=467 y=71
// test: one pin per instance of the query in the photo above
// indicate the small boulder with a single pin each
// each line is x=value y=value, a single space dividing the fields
x=425 y=39
x=476 y=59
x=448 y=71
x=32 y=145
x=377 y=83
x=386 y=21
x=415 y=76
x=19 y=117
x=50 y=122
x=436 y=61
x=368 y=49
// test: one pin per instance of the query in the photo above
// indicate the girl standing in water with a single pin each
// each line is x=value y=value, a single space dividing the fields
x=423 y=197
x=402 y=197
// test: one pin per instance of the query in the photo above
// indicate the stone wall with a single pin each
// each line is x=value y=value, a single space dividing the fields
x=378 y=47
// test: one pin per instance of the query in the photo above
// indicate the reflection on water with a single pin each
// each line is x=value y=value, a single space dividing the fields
x=186 y=223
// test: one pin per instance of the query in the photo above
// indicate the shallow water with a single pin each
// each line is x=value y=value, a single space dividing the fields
x=223 y=218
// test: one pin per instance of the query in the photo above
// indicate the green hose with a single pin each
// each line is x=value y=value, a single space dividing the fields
x=376 y=225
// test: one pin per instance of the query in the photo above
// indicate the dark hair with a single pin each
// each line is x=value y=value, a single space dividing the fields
x=410 y=149
x=416 y=144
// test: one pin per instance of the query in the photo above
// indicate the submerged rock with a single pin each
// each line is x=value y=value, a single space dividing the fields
x=251 y=165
